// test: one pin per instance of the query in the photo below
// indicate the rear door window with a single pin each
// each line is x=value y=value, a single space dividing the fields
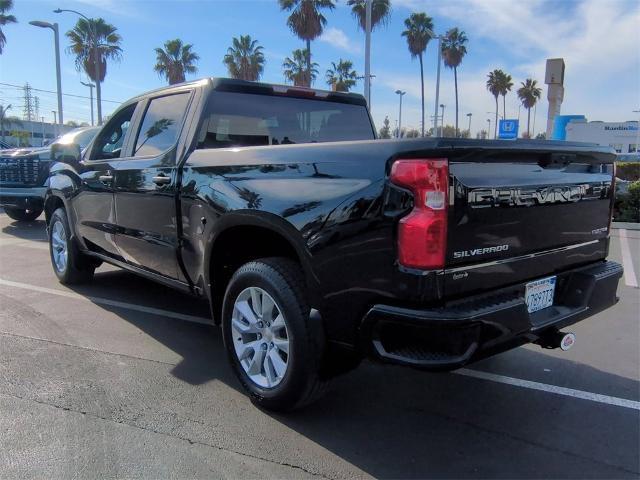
x=161 y=124
x=244 y=119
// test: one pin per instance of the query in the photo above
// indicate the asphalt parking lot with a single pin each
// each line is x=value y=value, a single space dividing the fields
x=117 y=378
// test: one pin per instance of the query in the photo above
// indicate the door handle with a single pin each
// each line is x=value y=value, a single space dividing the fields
x=106 y=178
x=161 y=179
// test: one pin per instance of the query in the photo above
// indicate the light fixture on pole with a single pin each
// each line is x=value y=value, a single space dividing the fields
x=435 y=115
x=90 y=85
x=469 y=115
x=56 y=37
x=367 y=53
x=96 y=60
x=400 y=93
x=55 y=124
x=442 y=123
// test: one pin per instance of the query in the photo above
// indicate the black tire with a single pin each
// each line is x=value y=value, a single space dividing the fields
x=23 y=215
x=78 y=268
x=282 y=279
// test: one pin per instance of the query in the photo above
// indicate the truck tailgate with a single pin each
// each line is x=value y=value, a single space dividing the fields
x=517 y=215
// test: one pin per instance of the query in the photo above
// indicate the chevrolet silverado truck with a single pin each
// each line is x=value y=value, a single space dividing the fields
x=24 y=174
x=317 y=245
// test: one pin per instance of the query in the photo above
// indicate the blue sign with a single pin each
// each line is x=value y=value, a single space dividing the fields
x=508 y=129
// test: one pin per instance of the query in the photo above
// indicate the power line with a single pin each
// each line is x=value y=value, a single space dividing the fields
x=50 y=91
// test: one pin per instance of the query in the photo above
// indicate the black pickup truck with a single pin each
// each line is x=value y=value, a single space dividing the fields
x=317 y=245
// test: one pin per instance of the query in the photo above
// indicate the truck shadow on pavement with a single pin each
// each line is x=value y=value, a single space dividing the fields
x=36 y=230
x=393 y=422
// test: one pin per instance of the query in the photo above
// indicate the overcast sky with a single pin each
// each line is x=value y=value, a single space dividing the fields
x=599 y=40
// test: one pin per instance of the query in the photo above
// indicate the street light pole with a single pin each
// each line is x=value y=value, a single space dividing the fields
x=400 y=94
x=442 y=123
x=489 y=127
x=90 y=85
x=96 y=59
x=469 y=115
x=56 y=36
x=367 y=53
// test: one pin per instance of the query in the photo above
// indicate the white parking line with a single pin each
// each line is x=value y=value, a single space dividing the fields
x=629 y=274
x=543 y=387
x=106 y=301
x=569 y=392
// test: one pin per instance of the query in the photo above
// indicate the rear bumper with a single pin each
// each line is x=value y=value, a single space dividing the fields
x=22 y=197
x=462 y=332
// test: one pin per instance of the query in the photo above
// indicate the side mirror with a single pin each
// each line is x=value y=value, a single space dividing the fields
x=66 y=153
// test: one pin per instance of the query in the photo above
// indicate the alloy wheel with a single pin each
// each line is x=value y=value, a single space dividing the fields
x=260 y=337
x=59 y=250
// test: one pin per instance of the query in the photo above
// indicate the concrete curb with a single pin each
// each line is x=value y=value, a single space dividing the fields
x=626 y=225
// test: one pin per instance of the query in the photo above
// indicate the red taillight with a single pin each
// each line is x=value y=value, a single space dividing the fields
x=422 y=235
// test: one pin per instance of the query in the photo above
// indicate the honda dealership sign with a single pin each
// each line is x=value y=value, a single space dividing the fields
x=508 y=130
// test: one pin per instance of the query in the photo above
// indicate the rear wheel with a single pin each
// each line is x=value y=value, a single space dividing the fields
x=23 y=215
x=268 y=336
x=69 y=265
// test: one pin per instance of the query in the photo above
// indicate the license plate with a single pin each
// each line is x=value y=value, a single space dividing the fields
x=539 y=294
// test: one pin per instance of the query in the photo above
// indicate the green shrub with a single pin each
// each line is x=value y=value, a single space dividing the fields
x=628 y=171
x=628 y=205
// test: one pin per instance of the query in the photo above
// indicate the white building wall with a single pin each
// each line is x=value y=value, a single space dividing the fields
x=622 y=136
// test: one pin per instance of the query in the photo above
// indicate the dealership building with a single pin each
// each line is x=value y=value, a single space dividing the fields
x=621 y=136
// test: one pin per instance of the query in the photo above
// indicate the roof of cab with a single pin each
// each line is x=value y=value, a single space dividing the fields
x=244 y=86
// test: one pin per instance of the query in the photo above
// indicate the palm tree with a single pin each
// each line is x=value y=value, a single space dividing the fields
x=418 y=31
x=494 y=85
x=92 y=40
x=505 y=87
x=5 y=6
x=175 y=60
x=307 y=21
x=245 y=60
x=529 y=94
x=453 y=51
x=296 y=69
x=342 y=76
x=380 y=12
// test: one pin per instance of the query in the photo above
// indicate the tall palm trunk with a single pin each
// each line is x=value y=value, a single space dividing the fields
x=422 y=92
x=528 y=122
x=99 y=101
x=455 y=80
x=504 y=107
x=495 y=127
x=308 y=63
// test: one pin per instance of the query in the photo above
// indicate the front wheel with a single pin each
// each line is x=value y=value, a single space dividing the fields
x=268 y=336
x=69 y=265
x=22 y=214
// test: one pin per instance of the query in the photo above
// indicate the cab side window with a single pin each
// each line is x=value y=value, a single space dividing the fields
x=161 y=124
x=108 y=144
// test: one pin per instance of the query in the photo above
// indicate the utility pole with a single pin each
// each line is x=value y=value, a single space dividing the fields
x=42 y=127
x=367 y=54
x=469 y=115
x=400 y=93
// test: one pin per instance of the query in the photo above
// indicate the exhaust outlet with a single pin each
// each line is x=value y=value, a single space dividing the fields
x=556 y=339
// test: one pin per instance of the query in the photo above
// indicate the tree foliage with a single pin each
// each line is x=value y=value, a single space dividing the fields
x=244 y=59
x=5 y=19
x=342 y=77
x=175 y=60
x=295 y=68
